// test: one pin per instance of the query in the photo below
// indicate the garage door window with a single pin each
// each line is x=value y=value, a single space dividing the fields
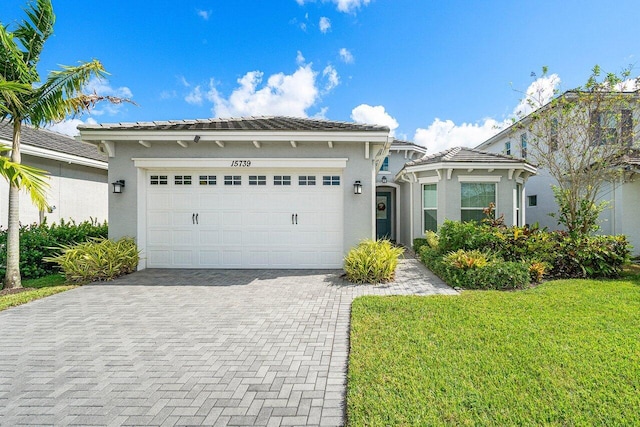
x=306 y=180
x=207 y=180
x=232 y=180
x=182 y=180
x=331 y=180
x=282 y=180
x=158 y=180
x=257 y=180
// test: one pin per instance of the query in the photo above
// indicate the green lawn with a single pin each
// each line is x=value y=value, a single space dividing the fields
x=566 y=353
x=41 y=288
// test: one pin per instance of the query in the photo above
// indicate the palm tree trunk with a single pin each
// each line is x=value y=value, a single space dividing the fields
x=12 y=277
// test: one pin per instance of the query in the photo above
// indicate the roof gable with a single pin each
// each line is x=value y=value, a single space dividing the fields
x=465 y=155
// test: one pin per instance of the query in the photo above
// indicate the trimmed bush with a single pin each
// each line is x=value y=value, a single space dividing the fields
x=39 y=241
x=372 y=262
x=97 y=260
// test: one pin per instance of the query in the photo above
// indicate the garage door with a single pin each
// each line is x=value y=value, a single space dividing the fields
x=260 y=219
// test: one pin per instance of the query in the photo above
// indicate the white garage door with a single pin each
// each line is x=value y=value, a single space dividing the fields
x=228 y=219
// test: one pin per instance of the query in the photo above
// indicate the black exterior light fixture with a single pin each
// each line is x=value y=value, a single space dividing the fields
x=118 y=186
x=196 y=139
x=357 y=187
x=384 y=179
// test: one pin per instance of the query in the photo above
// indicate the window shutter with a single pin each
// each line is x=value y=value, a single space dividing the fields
x=626 y=127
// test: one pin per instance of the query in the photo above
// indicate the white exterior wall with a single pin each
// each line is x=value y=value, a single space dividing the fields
x=77 y=192
x=359 y=216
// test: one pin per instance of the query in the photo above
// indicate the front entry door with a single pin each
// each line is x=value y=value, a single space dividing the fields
x=383 y=215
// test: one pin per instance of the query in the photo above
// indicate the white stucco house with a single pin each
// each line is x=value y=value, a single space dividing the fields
x=77 y=177
x=622 y=216
x=282 y=192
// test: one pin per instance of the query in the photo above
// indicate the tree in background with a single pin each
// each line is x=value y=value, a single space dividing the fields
x=581 y=137
x=24 y=98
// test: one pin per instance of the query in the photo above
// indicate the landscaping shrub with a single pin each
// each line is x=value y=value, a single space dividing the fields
x=418 y=243
x=454 y=235
x=97 y=259
x=38 y=241
x=372 y=262
x=466 y=246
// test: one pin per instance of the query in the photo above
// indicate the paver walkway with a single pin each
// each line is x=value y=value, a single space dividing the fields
x=189 y=347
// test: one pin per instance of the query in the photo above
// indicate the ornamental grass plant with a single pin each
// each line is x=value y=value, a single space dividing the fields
x=372 y=261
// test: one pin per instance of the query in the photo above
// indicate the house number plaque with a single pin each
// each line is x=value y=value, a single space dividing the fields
x=240 y=163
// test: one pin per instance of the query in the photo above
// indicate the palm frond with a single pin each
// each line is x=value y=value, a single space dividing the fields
x=54 y=99
x=33 y=180
x=12 y=64
x=10 y=97
x=34 y=31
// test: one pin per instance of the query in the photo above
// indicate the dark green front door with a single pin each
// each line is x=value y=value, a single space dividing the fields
x=383 y=215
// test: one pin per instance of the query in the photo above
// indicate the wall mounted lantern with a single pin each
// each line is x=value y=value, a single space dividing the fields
x=118 y=186
x=196 y=139
x=357 y=187
x=384 y=179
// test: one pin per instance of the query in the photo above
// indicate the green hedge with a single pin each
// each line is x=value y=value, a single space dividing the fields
x=38 y=241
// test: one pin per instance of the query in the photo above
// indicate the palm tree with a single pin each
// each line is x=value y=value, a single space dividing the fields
x=25 y=99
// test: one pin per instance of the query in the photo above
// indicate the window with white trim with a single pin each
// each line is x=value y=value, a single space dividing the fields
x=385 y=165
x=476 y=196
x=282 y=180
x=207 y=180
x=518 y=205
x=182 y=179
x=257 y=180
x=331 y=180
x=232 y=180
x=533 y=200
x=507 y=148
x=158 y=180
x=430 y=207
x=306 y=180
x=523 y=145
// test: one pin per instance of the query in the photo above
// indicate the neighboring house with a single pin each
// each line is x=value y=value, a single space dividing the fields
x=258 y=192
x=457 y=184
x=622 y=216
x=389 y=205
x=77 y=171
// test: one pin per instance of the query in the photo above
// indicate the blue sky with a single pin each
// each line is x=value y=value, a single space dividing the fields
x=440 y=73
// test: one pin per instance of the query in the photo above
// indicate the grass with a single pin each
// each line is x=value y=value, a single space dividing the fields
x=565 y=353
x=38 y=288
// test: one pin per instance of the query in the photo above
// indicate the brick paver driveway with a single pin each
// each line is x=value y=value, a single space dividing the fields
x=197 y=347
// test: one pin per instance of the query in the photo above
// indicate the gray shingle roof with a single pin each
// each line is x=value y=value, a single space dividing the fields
x=52 y=141
x=409 y=144
x=241 y=124
x=465 y=155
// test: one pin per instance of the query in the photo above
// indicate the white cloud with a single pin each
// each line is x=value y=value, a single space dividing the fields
x=70 y=127
x=331 y=75
x=300 y=59
x=377 y=115
x=537 y=94
x=325 y=24
x=204 y=14
x=168 y=94
x=283 y=94
x=443 y=134
x=346 y=56
x=350 y=5
x=345 y=6
x=194 y=97
x=183 y=81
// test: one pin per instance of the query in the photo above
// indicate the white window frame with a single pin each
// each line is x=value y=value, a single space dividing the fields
x=495 y=197
x=424 y=209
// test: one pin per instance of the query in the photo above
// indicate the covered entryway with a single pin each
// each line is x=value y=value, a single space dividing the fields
x=386 y=213
x=249 y=218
